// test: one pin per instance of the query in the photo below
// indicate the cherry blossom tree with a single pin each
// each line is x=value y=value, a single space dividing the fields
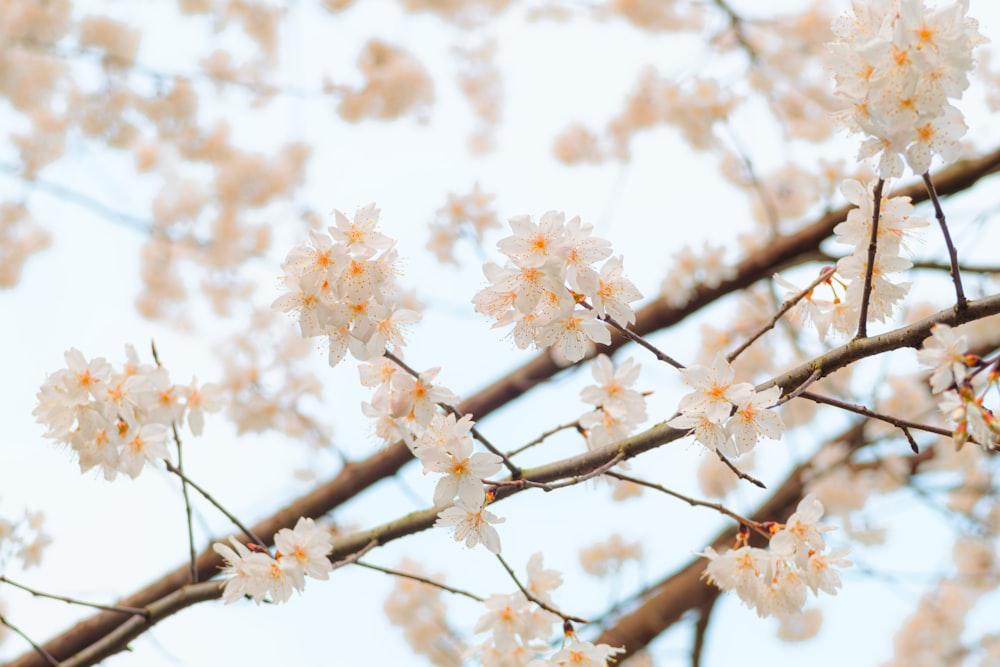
x=805 y=295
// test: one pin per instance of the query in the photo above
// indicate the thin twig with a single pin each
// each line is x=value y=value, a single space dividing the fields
x=785 y=307
x=870 y=266
x=207 y=496
x=423 y=580
x=552 y=486
x=700 y=630
x=694 y=502
x=38 y=649
x=531 y=596
x=739 y=473
x=798 y=390
x=192 y=552
x=540 y=439
x=515 y=472
x=353 y=558
x=137 y=611
x=861 y=410
x=69 y=195
x=637 y=339
x=736 y=22
x=909 y=437
x=956 y=274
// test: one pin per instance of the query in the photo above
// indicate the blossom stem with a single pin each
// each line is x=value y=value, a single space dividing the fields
x=636 y=338
x=739 y=473
x=46 y=656
x=789 y=303
x=956 y=276
x=423 y=580
x=694 y=502
x=135 y=611
x=192 y=552
x=551 y=486
x=531 y=596
x=870 y=265
x=540 y=439
x=861 y=410
x=207 y=496
x=515 y=472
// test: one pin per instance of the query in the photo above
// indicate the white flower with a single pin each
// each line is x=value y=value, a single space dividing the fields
x=247 y=572
x=472 y=524
x=945 y=353
x=305 y=548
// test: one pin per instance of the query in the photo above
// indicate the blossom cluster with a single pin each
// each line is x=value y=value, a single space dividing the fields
x=897 y=63
x=531 y=290
x=618 y=409
x=775 y=581
x=342 y=286
x=119 y=420
x=520 y=628
x=726 y=416
x=24 y=540
x=962 y=387
x=896 y=228
x=300 y=552
x=470 y=214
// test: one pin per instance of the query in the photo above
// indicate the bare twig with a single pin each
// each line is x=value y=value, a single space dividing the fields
x=870 y=266
x=207 y=496
x=739 y=473
x=533 y=598
x=540 y=439
x=637 y=339
x=68 y=600
x=956 y=274
x=889 y=419
x=552 y=486
x=423 y=580
x=700 y=630
x=38 y=649
x=789 y=303
x=815 y=375
x=192 y=552
x=694 y=502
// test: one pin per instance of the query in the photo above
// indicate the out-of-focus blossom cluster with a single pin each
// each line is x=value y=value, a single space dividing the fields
x=726 y=416
x=610 y=555
x=690 y=269
x=897 y=64
x=618 y=409
x=775 y=581
x=395 y=84
x=24 y=540
x=463 y=215
x=418 y=609
x=963 y=381
x=550 y=270
x=20 y=237
x=694 y=108
x=480 y=81
x=118 y=420
x=299 y=553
